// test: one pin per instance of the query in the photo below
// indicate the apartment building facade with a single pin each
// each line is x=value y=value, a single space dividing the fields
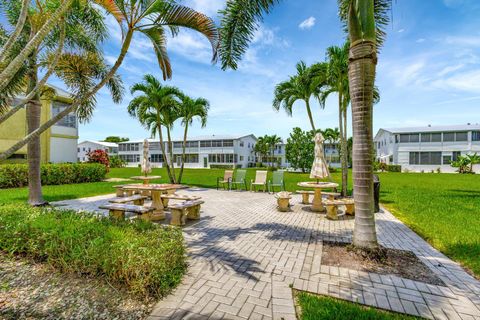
x=87 y=146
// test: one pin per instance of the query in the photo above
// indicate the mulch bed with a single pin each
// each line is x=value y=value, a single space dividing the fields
x=30 y=290
x=404 y=264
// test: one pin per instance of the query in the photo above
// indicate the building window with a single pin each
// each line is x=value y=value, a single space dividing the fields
x=241 y=158
x=70 y=120
x=425 y=158
x=476 y=136
x=156 y=158
x=192 y=144
x=222 y=158
x=461 y=136
x=130 y=157
x=229 y=143
x=177 y=144
x=216 y=143
x=431 y=137
x=447 y=159
x=205 y=144
x=456 y=155
x=407 y=138
x=242 y=143
x=449 y=136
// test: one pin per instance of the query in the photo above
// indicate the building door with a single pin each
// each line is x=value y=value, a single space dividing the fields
x=179 y=161
x=205 y=162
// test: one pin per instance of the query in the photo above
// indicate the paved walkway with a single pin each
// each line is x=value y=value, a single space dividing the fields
x=245 y=256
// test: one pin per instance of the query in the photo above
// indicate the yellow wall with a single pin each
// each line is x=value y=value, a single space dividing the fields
x=15 y=129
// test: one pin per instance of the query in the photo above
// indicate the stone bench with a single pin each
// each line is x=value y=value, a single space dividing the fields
x=181 y=211
x=117 y=210
x=283 y=201
x=331 y=195
x=332 y=207
x=305 y=195
x=119 y=191
x=136 y=199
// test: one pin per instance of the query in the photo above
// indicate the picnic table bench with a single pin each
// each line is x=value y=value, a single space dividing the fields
x=331 y=195
x=332 y=207
x=136 y=199
x=305 y=195
x=181 y=211
x=283 y=201
x=119 y=191
x=117 y=210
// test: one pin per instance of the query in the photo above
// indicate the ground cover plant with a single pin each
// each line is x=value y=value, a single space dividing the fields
x=327 y=308
x=147 y=259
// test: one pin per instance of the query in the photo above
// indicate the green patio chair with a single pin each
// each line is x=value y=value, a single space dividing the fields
x=277 y=181
x=239 y=179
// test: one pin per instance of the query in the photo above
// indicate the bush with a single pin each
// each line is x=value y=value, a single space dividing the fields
x=147 y=259
x=221 y=166
x=394 y=168
x=16 y=175
x=99 y=156
x=117 y=162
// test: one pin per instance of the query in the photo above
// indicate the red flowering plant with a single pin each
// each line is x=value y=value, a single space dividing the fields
x=99 y=156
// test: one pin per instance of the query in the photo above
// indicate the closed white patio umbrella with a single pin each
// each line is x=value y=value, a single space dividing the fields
x=320 y=167
x=146 y=167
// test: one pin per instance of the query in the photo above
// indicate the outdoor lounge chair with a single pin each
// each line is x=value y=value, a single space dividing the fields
x=239 y=179
x=226 y=180
x=277 y=181
x=260 y=180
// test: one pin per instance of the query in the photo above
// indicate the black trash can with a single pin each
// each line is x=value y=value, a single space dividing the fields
x=376 y=192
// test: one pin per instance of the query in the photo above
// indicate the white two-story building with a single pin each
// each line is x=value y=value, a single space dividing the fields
x=87 y=146
x=427 y=148
x=201 y=152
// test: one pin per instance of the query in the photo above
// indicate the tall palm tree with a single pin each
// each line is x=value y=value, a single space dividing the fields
x=150 y=108
x=189 y=109
x=364 y=21
x=81 y=32
x=337 y=75
x=153 y=18
x=307 y=83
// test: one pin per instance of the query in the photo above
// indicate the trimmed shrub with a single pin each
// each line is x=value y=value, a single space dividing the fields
x=117 y=162
x=99 y=156
x=16 y=175
x=394 y=168
x=147 y=259
x=222 y=166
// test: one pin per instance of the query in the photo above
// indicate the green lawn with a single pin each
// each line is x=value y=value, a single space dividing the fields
x=326 y=308
x=442 y=208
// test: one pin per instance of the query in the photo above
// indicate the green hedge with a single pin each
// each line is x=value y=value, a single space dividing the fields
x=147 y=259
x=16 y=175
x=224 y=166
x=394 y=168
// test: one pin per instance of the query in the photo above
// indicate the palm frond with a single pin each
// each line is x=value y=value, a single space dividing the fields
x=111 y=7
x=156 y=35
x=240 y=20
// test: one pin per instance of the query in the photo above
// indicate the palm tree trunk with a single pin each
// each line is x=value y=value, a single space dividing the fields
x=18 y=29
x=362 y=64
x=310 y=116
x=76 y=102
x=40 y=83
x=164 y=153
x=183 y=152
x=344 y=153
x=340 y=123
x=9 y=72
x=33 y=114
x=170 y=149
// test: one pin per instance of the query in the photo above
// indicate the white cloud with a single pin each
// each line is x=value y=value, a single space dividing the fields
x=420 y=40
x=450 y=69
x=464 y=81
x=307 y=24
x=208 y=7
x=469 y=41
x=401 y=30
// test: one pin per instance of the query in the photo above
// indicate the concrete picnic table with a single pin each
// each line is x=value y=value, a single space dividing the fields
x=156 y=191
x=317 y=205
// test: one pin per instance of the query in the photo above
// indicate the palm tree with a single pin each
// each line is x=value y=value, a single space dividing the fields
x=189 y=109
x=364 y=21
x=306 y=83
x=12 y=63
x=337 y=59
x=261 y=148
x=272 y=142
x=80 y=31
x=149 y=108
x=153 y=18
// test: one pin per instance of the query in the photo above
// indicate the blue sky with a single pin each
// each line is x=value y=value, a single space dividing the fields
x=428 y=71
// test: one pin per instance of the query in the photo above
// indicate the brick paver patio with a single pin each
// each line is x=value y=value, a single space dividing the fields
x=245 y=257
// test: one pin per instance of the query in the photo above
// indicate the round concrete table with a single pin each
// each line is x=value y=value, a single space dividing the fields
x=146 y=179
x=317 y=205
